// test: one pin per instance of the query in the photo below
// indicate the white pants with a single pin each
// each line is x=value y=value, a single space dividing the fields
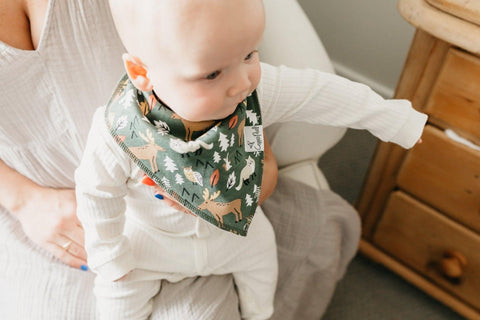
x=252 y=260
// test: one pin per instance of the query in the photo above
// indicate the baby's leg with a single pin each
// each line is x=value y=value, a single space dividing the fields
x=197 y=298
x=125 y=299
x=256 y=288
x=253 y=262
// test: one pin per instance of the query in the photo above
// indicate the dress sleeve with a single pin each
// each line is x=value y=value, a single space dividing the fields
x=307 y=95
x=100 y=189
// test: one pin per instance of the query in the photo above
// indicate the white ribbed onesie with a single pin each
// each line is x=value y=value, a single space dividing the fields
x=127 y=229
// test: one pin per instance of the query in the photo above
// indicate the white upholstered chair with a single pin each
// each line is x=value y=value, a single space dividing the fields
x=291 y=40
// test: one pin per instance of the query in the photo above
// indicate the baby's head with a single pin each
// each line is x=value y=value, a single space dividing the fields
x=199 y=56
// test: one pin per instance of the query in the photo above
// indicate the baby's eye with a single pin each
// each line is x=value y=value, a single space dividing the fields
x=250 y=55
x=213 y=75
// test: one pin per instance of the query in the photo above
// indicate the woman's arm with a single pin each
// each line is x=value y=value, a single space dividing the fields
x=47 y=215
x=14 y=188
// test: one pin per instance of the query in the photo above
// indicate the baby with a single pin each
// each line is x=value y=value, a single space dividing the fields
x=190 y=115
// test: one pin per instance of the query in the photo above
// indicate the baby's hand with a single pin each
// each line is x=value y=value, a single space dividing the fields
x=162 y=195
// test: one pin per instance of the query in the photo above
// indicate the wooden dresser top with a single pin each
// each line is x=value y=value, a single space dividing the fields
x=443 y=25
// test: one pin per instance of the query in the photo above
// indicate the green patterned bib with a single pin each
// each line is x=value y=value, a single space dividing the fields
x=216 y=173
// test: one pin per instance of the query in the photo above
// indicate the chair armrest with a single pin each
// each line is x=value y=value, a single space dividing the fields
x=290 y=39
x=306 y=172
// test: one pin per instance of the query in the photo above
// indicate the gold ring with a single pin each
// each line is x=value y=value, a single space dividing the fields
x=66 y=245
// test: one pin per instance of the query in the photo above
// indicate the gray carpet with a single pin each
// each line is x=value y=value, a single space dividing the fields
x=370 y=291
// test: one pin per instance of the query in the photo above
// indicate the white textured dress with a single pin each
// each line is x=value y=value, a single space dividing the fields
x=48 y=97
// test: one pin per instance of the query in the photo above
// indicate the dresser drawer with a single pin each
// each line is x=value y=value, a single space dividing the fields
x=446 y=175
x=455 y=98
x=432 y=245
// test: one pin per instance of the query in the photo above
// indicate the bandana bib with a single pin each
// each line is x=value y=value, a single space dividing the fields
x=216 y=172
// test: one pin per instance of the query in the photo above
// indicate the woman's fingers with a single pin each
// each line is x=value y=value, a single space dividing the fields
x=162 y=195
x=68 y=252
x=174 y=204
x=73 y=246
x=71 y=235
x=77 y=236
x=78 y=251
x=49 y=219
x=147 y=181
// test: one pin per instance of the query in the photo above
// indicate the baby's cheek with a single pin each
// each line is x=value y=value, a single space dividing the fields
x=256 y=77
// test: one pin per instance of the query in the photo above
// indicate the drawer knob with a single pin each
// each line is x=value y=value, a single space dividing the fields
x=453 y=264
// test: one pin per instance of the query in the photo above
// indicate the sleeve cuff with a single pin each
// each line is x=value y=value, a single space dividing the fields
x=116 y=268
x=412 y=130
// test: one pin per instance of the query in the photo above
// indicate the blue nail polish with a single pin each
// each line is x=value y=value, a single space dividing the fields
x=159 y=196
x=84 y=267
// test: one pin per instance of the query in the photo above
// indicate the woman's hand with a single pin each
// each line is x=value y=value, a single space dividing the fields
x=270 y=172
x=48 y=217
x=162 y=195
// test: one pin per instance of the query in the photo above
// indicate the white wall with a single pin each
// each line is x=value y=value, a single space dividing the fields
x=367 y=40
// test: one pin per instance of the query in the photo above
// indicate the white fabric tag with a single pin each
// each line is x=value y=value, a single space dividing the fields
x=253 y=137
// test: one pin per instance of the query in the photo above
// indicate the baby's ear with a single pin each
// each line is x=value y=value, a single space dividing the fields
x=137 y=72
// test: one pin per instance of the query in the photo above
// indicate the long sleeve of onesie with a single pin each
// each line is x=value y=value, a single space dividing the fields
x=101 y=185
x=312 y=96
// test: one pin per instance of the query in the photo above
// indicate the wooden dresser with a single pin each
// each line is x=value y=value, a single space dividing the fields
x=421 y=209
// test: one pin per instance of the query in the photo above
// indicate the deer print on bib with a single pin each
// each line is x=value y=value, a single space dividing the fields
x=216 y=172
